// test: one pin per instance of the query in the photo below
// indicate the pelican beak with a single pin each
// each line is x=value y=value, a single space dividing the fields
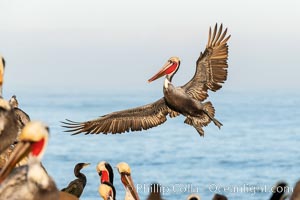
x=22 y=149
x=162 y=71
x=128 y=183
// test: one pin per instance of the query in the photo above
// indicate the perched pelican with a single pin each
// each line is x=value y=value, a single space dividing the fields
x=211 y=72
x=107 y=191
x=8 y=122
x=22 y=117
x=31 y=181
x=155 y=190
x=76 y=186
x=219 y=197
x=193 y=197
x=105 y=171
x=125 y=172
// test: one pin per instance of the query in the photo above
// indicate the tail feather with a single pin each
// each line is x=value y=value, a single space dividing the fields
x=210 y=111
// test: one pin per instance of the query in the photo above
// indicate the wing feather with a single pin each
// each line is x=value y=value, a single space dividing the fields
x=135 y=119
x=211 y=66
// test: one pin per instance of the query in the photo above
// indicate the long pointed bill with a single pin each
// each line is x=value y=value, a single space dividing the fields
x=22 y=149
x=128 y=183
x=162 y=72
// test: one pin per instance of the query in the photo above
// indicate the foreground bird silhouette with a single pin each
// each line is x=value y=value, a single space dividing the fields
x=8 y=121
x=21 y=120
x=31 y=181
x=211 y=72
x=76 y=186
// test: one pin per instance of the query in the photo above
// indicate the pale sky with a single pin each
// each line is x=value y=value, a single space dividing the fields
x=95 y=44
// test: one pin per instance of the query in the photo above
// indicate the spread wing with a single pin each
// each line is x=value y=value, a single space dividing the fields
x=135 y=119
x=211 y=66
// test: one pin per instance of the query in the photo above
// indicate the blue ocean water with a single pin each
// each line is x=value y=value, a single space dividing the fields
x=257 y=146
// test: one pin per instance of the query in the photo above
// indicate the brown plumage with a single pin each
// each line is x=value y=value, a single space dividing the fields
x=296 y=192
x=211 y=72
x=8 y=122
x=22 y=117
x=31 y=181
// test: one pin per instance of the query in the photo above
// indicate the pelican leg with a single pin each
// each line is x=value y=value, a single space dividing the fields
x=197 y=126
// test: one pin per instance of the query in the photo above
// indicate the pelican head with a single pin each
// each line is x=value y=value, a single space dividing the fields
x=125 y=172
x=105 y=171
x=168 y=69
x=33 y=140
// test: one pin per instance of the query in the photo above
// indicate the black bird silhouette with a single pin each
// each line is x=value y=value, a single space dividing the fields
x=76 y=186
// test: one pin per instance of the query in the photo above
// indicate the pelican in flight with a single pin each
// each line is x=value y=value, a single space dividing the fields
x=8 y=121
x=125 y=172
x=76 y=186
x=211 y=72
x=31 y=181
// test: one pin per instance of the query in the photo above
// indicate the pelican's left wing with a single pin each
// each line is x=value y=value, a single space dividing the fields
x=211 y=69
x=135 y=119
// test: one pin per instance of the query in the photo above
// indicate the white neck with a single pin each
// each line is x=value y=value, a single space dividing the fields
x=166 y=83
x=37 y=174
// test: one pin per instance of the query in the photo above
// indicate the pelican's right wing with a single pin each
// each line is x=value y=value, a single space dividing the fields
x=135 y=119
